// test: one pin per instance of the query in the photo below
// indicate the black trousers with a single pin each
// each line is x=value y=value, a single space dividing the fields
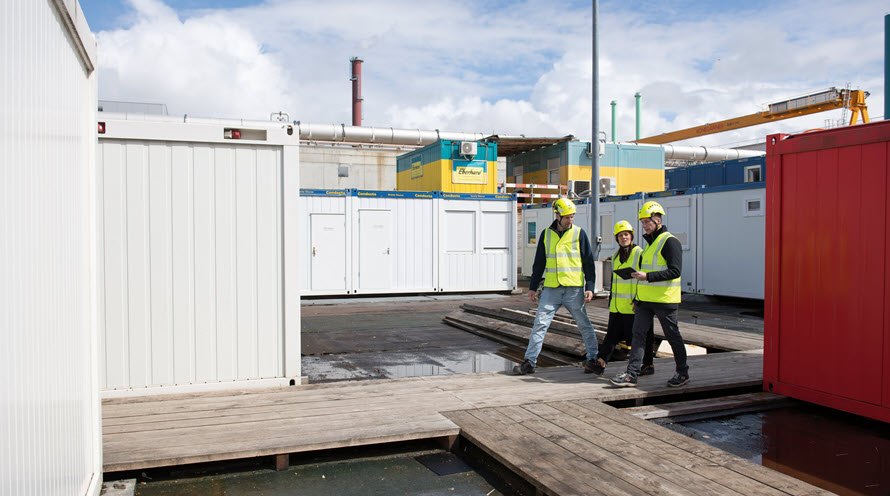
x=644 y=316
x=621 y=329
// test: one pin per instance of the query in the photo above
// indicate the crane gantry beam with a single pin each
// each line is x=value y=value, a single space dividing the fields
x=830 y=99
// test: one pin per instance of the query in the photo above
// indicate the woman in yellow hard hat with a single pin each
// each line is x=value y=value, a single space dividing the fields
x=621 y=305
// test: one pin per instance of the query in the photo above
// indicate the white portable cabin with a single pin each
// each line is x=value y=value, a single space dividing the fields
x=51 y=437
x=477 y=242
x=392 y=242
x=368 y=242
x=199 y=245
x=731 y=242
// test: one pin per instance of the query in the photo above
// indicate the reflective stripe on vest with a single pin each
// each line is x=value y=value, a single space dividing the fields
x=624 y=290
x=564 y=267
x=652 y=261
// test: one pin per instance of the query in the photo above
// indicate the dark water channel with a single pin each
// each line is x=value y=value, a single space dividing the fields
x=843 y=453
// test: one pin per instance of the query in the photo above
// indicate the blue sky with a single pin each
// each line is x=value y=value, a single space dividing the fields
x=489 y=66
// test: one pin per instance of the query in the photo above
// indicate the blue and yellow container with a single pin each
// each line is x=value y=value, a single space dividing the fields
x=441 y=167
x=632 y=167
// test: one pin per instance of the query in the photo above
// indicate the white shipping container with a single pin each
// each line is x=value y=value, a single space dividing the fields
x=731 y=243
x=476 y=249
x=194 y=229
x=394 y=249
x=50 y=440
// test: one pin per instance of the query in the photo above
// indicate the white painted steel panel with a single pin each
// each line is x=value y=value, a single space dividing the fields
x=192 y=263
x=680 y=220
x=315 y=282
x=50 y=439
x=375 y=250
x=731 y=244
x=465 y=263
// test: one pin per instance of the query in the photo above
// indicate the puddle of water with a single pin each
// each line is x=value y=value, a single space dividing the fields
x=842 y=453
x=358 y=366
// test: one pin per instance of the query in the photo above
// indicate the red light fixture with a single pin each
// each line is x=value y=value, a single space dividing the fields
x=101 y=128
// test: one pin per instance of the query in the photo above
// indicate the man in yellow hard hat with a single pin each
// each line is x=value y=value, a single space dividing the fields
x=565 y=262
x=658 y=295
x=621 y=305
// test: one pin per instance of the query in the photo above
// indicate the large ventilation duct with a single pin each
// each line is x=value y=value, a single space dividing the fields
x=706 y=154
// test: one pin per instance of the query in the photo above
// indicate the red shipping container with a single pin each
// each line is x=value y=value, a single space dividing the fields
x=827 y=296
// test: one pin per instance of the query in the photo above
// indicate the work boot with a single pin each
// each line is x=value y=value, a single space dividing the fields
x=647 y=369
x=596 y=367
x=624 y=380
x=524 y=369
x=678 y=380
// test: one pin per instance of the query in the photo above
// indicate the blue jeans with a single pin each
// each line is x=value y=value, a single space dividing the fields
x=571 y=297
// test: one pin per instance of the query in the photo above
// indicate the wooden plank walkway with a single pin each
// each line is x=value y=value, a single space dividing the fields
x=153 y=431
x=586 y=447
x=712 y=338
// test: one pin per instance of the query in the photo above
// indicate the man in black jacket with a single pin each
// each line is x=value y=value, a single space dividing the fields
x=658 y=295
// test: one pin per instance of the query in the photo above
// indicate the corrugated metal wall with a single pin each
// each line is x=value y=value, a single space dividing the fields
x=191 y=263
x=49 y=413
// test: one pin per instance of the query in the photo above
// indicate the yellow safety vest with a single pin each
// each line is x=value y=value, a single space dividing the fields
x=623 y=290
x=652 y=261
x=564 y=266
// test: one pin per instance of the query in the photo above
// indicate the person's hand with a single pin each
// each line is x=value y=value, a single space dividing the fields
x=588 y=296
x=640 y=276
x=531 y=296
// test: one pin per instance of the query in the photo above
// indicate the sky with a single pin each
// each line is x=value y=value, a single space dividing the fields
x=492 y=66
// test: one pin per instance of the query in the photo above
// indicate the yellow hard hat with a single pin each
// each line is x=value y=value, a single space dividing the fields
x=649 y=208
x=564 y=207
x=622 y=226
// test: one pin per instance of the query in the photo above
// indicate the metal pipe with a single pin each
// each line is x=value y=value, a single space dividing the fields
x=706 y=154
x=886 y=66
x=614 y=103
x=638 y=96
x=356 y=91
x=594 y=233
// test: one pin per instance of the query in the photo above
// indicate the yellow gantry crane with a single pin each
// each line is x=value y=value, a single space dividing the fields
x=829 y=99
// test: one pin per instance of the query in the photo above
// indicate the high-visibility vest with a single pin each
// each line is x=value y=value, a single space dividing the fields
x=652 y=261
x=624 y=290
x=564 y=267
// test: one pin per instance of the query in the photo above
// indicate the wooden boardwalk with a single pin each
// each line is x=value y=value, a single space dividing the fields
x=153 y=431
x=585 y=447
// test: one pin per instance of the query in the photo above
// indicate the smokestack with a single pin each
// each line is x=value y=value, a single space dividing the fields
x=356 y=91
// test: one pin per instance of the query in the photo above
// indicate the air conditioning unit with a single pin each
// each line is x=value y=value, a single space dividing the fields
x=602 y=148
x=605 y=186
x=468 y=149
x=579 y=189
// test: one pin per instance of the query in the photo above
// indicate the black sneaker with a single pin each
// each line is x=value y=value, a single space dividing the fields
x=647 y=370
x=524 y=369
x=678 y=380
x=593 y=367
x=624 y=380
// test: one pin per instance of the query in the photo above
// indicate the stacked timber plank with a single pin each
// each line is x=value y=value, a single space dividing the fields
x=563 y=340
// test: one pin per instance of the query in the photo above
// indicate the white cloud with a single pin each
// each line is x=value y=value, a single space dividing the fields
x=521 y=68
x=208 y=66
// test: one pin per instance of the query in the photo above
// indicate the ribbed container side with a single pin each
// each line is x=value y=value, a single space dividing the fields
x=393 y=251
x=192 y=245
x=477 y=245
x=49 y=413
